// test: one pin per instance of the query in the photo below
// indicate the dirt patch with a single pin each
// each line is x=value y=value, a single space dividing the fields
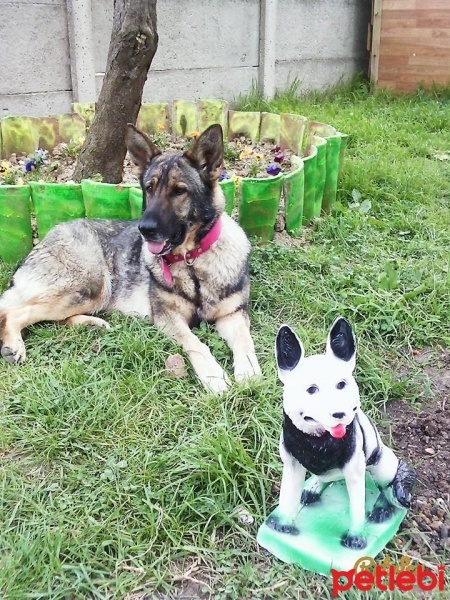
x=421 y=436
x=281 y=236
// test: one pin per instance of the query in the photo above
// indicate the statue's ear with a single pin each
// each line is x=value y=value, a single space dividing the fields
x=288 y=351
x=341 y=342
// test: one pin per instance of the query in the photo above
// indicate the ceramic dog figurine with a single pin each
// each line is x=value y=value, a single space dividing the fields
x=326 y=432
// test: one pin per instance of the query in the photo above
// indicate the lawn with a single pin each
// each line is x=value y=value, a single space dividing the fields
x=120 y=482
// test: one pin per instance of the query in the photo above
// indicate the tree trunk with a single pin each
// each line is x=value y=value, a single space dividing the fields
x=133 y=44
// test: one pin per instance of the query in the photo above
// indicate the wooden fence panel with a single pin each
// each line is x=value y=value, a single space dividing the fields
x=410 y=43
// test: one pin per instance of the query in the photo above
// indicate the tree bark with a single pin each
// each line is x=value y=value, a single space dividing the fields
x=133 y=44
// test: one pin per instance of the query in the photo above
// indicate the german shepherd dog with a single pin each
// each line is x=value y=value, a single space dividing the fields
x=183 y=262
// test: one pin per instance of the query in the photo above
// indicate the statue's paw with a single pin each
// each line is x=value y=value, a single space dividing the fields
x=276 y=524
x=381 y=514
x=309 y=497
x=354 y=542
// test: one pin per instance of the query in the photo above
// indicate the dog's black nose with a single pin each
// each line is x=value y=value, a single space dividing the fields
x=338 y=415
x=149 y=229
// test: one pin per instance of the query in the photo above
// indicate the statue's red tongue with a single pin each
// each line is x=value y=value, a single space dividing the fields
x=338 y=431
x=155 y=247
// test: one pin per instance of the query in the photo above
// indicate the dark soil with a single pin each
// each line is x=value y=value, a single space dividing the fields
x=421 y=436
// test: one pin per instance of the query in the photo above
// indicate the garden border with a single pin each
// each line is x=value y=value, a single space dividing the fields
x=307 y=190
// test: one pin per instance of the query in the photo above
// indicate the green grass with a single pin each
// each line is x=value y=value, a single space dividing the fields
x=116 y=479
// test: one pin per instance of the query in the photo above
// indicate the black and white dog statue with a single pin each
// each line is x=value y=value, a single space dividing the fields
x=326 y=432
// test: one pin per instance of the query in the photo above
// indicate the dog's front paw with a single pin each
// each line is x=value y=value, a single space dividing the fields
x=14 y=355
x=96 y=323
x=275 y=523
x=246 y=367
x=217 y=383
x=354 y=542
x=87 y=321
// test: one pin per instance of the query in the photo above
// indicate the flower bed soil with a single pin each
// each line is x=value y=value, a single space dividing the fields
x=245 y=159
x=242 y=159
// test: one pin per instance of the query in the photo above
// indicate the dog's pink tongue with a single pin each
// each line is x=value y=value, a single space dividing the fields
x=155 y=247
x=339 y=431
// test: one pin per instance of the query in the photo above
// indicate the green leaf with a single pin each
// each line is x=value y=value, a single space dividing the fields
x=356 y=196
x=389 y=279
x=365 y=207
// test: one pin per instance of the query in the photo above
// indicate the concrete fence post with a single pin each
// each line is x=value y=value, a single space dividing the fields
x=81 y=50
x=267 y=47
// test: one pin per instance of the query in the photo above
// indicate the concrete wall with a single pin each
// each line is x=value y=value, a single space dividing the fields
x=323 y=41
x=206 y=49
x=53 y=52
x=34 y=57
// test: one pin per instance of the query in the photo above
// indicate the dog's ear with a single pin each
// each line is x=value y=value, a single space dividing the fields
x=141 y=148
x=341 y=342
x=207 y=152
x=288 y=351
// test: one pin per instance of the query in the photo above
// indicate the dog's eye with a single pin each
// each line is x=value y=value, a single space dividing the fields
x=341 y=385
x=312 y=389
x=150 y=187
x=178 y=190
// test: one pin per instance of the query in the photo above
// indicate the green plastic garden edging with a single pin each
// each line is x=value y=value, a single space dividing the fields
x=321 y=172
x=258 y=207
x=16 y=239
x=136 y=200
x=229 y=190
x=309 y=190
x=55 y=203
x=106 y=200
x=294 y=192
x=332 y=174
x=311 y=201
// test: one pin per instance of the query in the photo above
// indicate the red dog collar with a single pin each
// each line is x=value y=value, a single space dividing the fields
x=190 y=257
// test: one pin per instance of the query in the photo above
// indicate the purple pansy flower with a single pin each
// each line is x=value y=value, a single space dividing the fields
x=279 y=158
x=273 y=169
x=30 y=165
x=224 y=175
x=276 y=149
